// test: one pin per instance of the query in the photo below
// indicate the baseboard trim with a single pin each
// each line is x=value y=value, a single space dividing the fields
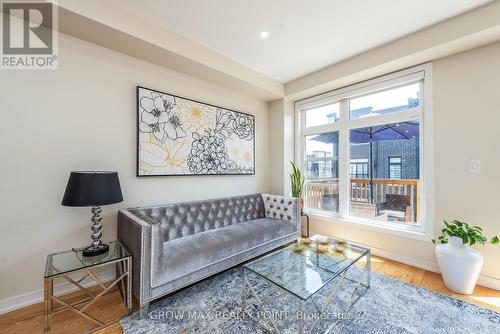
x=33 y=297
x=486 y=281
x=489 y=282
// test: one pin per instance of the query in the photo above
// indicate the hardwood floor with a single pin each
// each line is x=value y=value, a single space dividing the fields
x=30 y=319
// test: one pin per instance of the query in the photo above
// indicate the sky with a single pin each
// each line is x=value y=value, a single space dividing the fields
x=386 y=99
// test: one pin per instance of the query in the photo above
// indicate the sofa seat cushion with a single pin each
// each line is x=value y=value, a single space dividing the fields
x=185 y=255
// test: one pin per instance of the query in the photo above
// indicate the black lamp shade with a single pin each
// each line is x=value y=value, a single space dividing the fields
x=92 y=189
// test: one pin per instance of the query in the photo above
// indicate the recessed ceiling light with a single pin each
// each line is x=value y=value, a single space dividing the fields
x=264 y=34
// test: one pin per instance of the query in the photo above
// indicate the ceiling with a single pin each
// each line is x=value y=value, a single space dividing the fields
x=304 y=35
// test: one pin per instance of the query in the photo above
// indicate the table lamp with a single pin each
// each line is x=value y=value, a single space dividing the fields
x=93 y=189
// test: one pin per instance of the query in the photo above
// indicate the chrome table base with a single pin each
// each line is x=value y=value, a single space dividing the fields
x=361 y=286
x=123 y=281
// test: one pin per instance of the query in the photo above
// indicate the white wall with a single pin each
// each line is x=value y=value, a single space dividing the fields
x=466 y=126
x=281 y=131
x=276 y=147
x=82 y=117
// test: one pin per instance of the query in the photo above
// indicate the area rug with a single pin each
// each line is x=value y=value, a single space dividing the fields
x=389 y=306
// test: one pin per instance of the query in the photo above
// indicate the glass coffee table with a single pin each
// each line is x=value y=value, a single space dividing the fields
x=312 y=275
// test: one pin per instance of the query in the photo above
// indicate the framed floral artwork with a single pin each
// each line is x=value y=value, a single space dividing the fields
x=180 y=136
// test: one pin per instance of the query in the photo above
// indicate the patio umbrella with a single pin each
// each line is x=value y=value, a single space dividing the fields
x=403 y=130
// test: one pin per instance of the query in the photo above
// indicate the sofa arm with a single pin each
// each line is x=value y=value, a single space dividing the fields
x=281 y=207
x=135 y=233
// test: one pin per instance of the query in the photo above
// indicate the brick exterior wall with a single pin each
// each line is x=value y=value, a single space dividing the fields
x=383 y=149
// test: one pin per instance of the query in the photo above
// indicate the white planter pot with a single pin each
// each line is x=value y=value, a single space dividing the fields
x=460 y=265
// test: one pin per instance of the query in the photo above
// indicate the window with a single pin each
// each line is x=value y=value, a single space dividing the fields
x=361 y=148
x=322 y=115
x=322 y=172
x=395 y=167
x=358 y=168
x=385 y=102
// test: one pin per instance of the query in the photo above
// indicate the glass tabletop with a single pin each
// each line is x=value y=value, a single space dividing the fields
x=72 y=260
x=305 y=272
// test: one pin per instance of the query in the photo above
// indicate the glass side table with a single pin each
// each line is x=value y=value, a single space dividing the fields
x=67 y=263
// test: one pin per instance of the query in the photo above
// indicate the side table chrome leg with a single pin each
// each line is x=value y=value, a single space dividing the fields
x=51 y=293
x=129 y=285
x=48 y=291
x=121 y=287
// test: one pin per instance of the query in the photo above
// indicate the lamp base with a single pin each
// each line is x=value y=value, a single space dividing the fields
x=95 y=250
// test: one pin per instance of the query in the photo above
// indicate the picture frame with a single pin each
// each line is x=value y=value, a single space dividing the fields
x=179 y=136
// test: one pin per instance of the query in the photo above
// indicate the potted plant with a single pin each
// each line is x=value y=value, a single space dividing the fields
x=459 y=263
x=297 y=184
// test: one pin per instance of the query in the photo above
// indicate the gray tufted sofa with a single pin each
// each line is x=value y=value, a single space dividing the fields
x=175 y=245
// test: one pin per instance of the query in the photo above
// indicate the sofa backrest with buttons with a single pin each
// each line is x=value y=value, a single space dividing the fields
x=180 y=220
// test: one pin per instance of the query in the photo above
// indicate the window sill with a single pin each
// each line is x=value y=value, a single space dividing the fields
x=406 y=231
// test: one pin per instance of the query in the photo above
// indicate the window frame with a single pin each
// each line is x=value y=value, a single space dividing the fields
x=422 y=113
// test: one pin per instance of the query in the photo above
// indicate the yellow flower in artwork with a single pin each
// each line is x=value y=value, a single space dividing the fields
x=145 y=168
x=247 y=156
x=241 y=151
x=195 y=116
x=196 y=113
x=169 y=158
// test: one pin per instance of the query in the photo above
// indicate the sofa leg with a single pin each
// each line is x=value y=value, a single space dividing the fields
x=143 y=310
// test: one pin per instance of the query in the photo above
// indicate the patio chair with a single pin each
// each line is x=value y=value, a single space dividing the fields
x=396 y=206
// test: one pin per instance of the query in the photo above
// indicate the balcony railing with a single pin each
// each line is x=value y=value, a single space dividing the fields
x=322 y=194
